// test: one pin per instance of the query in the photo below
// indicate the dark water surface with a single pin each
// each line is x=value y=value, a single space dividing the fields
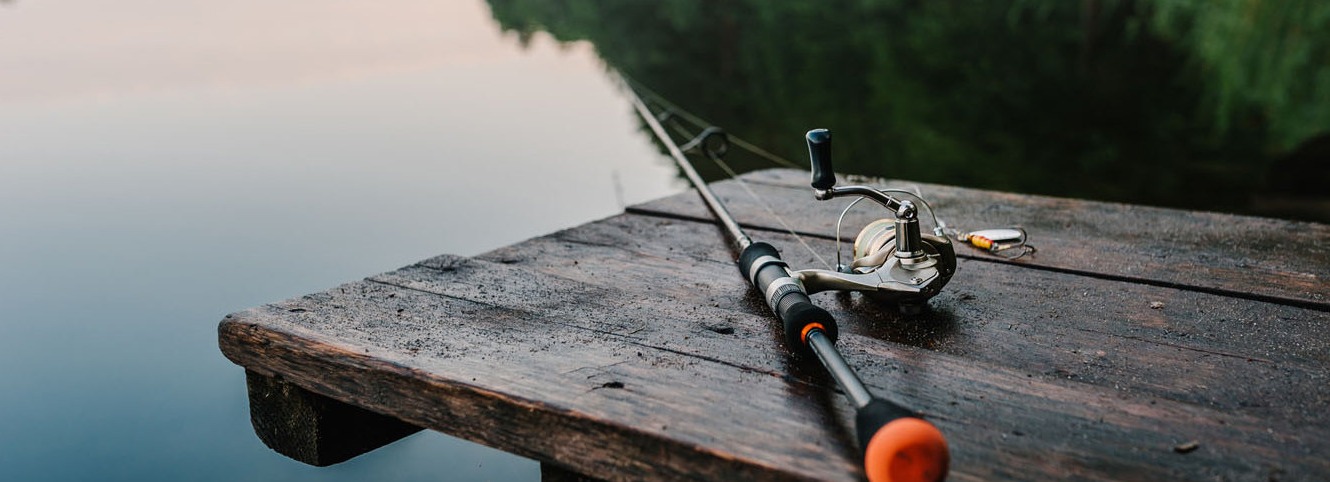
x=1214 y=105
x=163 y=163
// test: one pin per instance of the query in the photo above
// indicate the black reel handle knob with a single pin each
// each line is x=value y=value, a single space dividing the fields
x=819 y=152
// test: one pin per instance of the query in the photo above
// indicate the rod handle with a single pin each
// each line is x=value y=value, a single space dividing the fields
x=819 y=153
x=898 y=445
x=760 y=263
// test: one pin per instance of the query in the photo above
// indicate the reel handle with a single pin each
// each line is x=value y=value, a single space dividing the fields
x=819 y=152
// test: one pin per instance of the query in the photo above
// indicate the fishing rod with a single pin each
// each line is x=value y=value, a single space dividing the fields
x=901 y=266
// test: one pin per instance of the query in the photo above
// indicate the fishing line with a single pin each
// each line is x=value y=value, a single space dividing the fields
x=1007 y=245
x=897 y=444
x=716 y=158
x=767 y=206
x=672 y=109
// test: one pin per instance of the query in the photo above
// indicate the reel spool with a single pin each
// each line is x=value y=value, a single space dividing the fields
x=872 y=241
x=874 y=252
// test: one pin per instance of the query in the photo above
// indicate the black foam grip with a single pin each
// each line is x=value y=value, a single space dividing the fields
x=819 y=153
x=874 y=416
x=789 y=302
x=751 y=254
x=796 y=312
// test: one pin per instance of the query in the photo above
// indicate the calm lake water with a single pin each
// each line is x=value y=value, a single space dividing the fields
x=163 y=163
x=1192 y=104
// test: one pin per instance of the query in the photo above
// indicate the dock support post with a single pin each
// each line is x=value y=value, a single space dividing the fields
x=315 y=429
x=554 y=473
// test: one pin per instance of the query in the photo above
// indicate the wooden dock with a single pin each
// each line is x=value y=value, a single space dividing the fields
x=1137 y=344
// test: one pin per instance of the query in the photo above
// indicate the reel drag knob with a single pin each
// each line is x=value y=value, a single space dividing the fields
x=819 y=152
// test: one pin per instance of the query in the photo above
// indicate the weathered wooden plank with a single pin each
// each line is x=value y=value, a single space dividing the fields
x=629 y=348
x=1173 y=419
x=1256 y=358
x=595 y=400
x=1257 y=258
x=315 y=429
x=548 y=355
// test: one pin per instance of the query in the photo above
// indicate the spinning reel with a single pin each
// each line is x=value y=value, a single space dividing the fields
x=893 y=261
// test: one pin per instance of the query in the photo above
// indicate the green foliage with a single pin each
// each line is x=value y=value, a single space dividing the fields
x=1269 y=56
x=1170 y=102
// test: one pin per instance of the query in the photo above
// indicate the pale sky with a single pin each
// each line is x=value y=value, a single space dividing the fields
x=80 y=48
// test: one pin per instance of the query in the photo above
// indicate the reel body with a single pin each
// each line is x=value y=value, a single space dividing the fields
x=875 y=246
x=881 y=275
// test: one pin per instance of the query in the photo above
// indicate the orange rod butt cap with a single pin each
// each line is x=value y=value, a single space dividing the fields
x=907 y=449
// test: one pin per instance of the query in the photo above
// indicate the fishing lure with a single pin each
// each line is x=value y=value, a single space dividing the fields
x=1010 y=243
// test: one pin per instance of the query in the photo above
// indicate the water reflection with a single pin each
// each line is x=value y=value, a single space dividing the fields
x=1212 y=105
x=165 y=162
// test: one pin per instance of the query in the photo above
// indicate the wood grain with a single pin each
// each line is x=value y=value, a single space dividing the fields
x=631 y=349
x=1194 y=347
x=1248 y=257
